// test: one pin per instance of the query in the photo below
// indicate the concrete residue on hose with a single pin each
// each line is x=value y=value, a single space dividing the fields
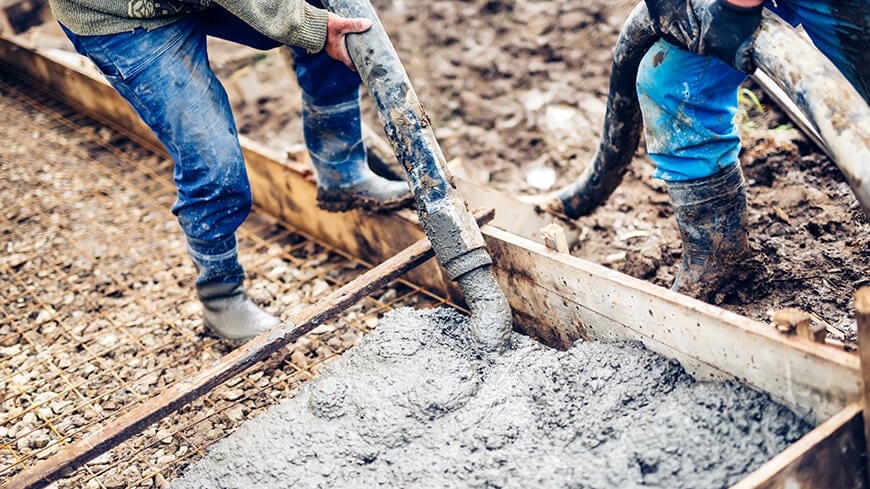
x=491 y=322
x=414 y=405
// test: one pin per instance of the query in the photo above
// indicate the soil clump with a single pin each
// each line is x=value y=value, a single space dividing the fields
x=415 y=405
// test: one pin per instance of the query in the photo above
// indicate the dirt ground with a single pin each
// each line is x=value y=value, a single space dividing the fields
x=514 y=86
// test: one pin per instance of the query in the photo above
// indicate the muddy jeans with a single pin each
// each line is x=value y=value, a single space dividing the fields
x=689 y=101
x=165 y=75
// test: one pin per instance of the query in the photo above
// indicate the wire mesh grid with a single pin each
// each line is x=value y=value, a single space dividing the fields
x=97 y=310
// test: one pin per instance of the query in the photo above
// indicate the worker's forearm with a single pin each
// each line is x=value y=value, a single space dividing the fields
x=293 y=22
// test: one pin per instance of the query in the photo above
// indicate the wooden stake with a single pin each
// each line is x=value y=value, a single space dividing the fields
x=256 y=350
x=862 y=315
x=554 y=238
x=792 y=320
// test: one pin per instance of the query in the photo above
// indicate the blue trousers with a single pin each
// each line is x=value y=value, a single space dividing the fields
x=165 y=75
x=689 y=101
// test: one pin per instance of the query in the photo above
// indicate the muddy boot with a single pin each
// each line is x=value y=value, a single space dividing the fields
x=711 y=215
x=227 y=309
x=333 y=134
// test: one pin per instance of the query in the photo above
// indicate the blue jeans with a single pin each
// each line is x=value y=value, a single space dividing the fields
x=689 y=101
x=165 y=75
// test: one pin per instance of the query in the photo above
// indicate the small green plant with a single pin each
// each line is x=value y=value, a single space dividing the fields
x=747 y=105
x=746 y=97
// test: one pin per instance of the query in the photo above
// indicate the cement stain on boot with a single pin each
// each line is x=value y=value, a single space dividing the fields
x=414 y=405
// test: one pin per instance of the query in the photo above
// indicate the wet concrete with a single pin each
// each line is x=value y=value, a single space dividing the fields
x=491 y=323
x=414 y=405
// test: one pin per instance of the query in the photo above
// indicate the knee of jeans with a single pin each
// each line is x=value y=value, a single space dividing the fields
x=651 y=76
x=653 y=98
x=323 y=80
x=212 y=217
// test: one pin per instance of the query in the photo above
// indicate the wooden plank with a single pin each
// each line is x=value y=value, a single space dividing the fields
x=862 y=316
x=193 y=387
x=554 y=238
x=288 y=192
x=559 y=298
x=68 y=73
x=512 y=214
x=830 y=456
x=556 y=297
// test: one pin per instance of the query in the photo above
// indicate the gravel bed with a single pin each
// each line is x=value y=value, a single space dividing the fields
x=98 y=310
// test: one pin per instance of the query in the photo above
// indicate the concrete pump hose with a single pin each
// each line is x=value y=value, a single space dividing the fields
x=456 y=238
x=622 y=121
x=832 y=104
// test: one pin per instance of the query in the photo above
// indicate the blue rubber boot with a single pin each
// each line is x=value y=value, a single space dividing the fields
x=711 y=215
x=227 y=309
x=333 y=134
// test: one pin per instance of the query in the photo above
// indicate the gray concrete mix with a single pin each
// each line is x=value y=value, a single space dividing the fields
x=414 y=405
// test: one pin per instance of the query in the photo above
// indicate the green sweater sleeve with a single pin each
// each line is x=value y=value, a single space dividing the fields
x=293 y=22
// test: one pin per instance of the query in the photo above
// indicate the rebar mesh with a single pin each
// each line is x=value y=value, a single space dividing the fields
x=97 y=309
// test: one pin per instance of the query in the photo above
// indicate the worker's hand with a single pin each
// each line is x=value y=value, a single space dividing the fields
x=337 y=28
x=717 y=28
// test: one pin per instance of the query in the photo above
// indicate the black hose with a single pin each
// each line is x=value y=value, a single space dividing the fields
x=622 y=123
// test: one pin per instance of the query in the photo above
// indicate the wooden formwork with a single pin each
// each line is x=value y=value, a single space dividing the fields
x=558 y=298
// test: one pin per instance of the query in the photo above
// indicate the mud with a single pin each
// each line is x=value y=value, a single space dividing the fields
x=413 y=405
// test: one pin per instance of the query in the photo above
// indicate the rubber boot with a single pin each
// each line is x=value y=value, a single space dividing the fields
x=227 y=309
x=333 y=134
x=711 y=215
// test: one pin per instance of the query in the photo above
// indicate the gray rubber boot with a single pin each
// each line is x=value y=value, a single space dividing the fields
x=227 y=309
x=333 y=135
x=711 y=215
x=231 y=314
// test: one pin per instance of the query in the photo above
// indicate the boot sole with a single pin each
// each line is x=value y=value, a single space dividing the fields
x=235 y=342
x=351 y=202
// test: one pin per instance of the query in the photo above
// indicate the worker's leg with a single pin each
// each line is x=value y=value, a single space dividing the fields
x=331 y=121
x=164 y=74
x=333 y=134
x=839 y=28
x=688 y=104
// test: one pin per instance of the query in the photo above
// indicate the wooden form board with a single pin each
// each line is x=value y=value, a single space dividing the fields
x=580 y=298
x=830 y=456
x=556 y=297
